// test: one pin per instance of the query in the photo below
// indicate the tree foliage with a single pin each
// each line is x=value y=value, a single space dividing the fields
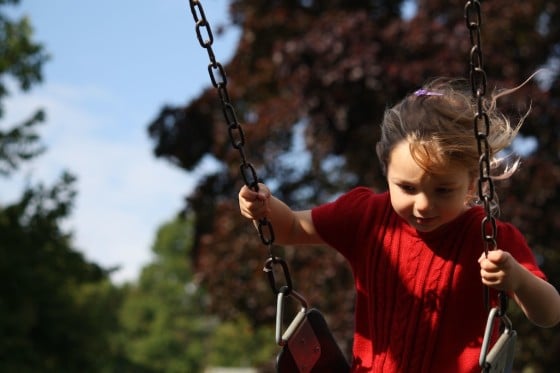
x=55 y=306
x=164 y=325
x=321 y=73
x=21 y=61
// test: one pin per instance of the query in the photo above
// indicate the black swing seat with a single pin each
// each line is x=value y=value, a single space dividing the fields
x=307 y=345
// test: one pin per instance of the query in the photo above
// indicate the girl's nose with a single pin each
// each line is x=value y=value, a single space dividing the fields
x=422 y=203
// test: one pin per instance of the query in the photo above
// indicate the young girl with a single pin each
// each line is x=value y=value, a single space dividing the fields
x=415 y=250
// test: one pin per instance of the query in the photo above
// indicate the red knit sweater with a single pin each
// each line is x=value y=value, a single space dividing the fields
x=419 y=305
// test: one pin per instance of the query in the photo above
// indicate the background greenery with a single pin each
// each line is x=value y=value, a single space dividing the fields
x=309 y=80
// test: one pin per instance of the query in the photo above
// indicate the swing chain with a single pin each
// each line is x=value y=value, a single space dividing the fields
x=481 y=126
x=237 y=138
x=500 y=357
x=481 y=121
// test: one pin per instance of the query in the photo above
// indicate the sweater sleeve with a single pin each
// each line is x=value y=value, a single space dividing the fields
x=511 y=240
x=341 y=223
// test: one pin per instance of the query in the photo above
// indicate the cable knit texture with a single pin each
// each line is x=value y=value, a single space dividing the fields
x=419 y=305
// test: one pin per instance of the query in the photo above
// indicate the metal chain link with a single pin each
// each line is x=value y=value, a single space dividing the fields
x=237 y=138
x=481 y=125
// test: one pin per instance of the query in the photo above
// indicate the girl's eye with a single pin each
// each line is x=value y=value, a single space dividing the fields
x=407 y=188
x=444 y=190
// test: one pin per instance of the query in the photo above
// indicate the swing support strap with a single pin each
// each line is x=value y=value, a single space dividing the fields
x=500 y=357
x=282 y=338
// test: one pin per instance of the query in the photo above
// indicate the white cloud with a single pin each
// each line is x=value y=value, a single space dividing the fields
x=124 y=193
x=105 y=82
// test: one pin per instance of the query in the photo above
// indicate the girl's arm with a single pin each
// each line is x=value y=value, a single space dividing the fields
x=290 y=227
x=538 y=299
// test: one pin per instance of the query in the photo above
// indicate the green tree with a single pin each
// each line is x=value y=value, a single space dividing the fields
x=21 y=60
x=322 y=73
x=237 y=343
x=56 y=308
x=162 y=319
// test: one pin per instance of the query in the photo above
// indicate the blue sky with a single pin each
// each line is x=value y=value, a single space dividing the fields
x=113 y=65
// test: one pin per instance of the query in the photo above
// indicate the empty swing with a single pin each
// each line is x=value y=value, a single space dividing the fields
x=307 y=344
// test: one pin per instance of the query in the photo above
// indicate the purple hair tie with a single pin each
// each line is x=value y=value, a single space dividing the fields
x=424 y=92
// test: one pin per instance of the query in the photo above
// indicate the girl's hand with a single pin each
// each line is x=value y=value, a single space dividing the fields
x=254 y=205
x=499 y=270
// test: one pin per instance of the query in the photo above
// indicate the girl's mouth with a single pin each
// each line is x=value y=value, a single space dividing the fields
x=424 y=221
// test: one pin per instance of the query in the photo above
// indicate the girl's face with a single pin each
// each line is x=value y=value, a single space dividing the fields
x=426 y=201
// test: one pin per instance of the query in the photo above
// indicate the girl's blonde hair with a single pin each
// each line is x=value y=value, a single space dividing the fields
x=438 y=123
